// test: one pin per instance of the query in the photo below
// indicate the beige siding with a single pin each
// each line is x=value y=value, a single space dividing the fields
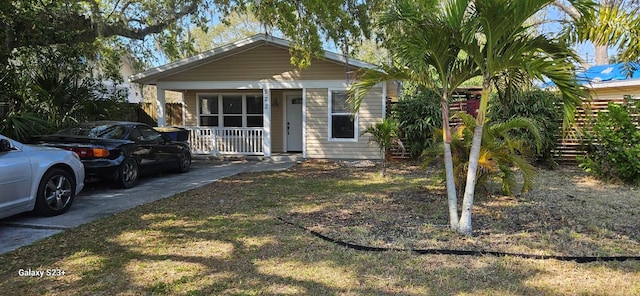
x=317 y=137
x=191 y=113
x=392 y=90
x=615 y=93
x=266 y=62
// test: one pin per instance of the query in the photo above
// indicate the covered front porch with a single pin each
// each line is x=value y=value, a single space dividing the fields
x=243 y=122
x=226 y=140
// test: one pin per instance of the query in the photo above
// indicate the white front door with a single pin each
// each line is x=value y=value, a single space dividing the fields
x=293 y=123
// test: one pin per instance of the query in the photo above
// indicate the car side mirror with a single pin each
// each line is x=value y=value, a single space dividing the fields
x=5 y=145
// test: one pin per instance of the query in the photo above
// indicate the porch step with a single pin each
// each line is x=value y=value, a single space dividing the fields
x=284 y=157
x=293 y=157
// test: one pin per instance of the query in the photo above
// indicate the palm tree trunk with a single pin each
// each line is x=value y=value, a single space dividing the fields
x=384 y=163
x=448 y=166
x=601 y=54
x=469 y=190
x=474 y=156
x=451 y=188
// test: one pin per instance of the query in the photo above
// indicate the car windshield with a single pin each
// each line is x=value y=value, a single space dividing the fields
x=108 y=131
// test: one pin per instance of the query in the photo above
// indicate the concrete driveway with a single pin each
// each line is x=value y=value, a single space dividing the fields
x=100 y=200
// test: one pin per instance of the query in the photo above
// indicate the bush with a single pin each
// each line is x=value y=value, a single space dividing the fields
x=540 y=106
x=500 y=153
x=613 y=144
x=385 y=135
x=51 y=90
x=418 y=116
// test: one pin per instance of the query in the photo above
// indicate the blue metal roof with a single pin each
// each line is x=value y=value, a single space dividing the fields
x=611 y=72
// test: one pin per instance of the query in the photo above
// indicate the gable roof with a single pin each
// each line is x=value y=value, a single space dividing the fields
x=152 y=75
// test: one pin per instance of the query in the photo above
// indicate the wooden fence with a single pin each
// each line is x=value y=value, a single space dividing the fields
x=566 y=150
x=570 y=147
x=148 y=113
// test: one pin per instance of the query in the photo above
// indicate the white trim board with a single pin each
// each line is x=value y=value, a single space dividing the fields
x=243 y=85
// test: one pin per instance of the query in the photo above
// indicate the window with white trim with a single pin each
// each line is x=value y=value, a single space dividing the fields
x=209 y=111
x=230 y=110
x=342 y=123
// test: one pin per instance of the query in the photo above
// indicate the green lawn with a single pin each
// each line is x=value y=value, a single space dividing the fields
x=226 y=239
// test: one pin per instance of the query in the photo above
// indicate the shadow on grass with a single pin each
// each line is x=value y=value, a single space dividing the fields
x=224 y=239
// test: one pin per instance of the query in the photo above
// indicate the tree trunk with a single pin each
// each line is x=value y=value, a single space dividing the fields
x=474 y=156
x=451 y=188
x=469 y=190
x=448 y=166
x=602 y=54
x=384 y=164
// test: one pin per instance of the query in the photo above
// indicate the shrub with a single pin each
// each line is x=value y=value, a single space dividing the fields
x=500 y=153
x=52 y=90
x=418 y=116
x=540 y=106
x=385 y=135
x=613 y=144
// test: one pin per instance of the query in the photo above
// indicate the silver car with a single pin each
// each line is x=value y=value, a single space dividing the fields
x=40 y=179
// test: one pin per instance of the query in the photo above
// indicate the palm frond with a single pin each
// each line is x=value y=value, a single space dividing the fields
x=369 y=78
x=527 y=124
x=22 y=126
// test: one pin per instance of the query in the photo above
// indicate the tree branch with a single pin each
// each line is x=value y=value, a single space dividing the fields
x=47 y=27
x=569 y=10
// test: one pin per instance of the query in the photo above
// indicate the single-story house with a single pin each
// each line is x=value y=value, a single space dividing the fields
x=605 y=83
x=247 y=98
x=611 y=82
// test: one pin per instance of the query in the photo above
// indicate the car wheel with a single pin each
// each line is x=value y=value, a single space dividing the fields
x=56 y=192
x=184 y=162
x=127 y=173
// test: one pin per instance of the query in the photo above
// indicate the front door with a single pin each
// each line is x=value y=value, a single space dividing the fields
x=294 y=123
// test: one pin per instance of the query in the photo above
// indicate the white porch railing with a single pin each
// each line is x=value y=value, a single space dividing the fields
x=226 y=140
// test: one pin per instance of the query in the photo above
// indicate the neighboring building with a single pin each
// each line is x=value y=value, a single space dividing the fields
x=605 y=83
x=611 y=82
x=247 y=98
x=133 y=91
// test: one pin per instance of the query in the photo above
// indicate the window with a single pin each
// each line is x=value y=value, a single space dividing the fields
x=254 y=110
x=231 y=110
x=232 y=104
x=149 y=134
x=209 y=110
x=342 y=122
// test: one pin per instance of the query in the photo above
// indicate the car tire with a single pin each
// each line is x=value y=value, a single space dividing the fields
x=127 y=173
x=184 y=162
x=56 y=193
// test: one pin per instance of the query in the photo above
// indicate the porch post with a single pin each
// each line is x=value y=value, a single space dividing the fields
x=266 y=119
x=160 y=102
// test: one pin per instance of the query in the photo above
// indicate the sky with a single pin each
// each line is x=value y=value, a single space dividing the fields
x=584 y=50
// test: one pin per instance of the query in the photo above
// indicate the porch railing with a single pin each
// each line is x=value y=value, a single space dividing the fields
x=226 y=140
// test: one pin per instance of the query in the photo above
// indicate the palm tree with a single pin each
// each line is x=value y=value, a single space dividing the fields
x=498 y=37
x=501 y=151
x=385 y=134
x=616 y=22
x=422 y=37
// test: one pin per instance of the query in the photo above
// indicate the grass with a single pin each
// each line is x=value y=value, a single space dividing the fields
x=225 y=239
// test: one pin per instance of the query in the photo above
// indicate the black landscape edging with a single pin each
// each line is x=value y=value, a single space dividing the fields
x=577 y=259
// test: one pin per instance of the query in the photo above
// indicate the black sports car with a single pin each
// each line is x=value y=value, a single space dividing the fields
x=120 y=150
